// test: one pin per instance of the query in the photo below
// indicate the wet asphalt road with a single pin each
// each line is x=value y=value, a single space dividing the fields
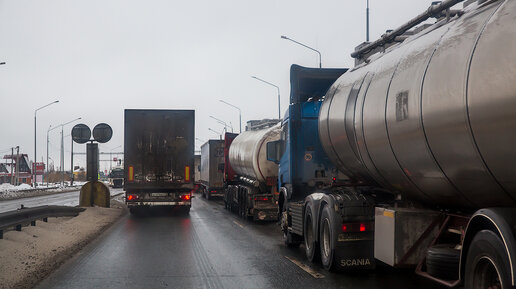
x=209 y=248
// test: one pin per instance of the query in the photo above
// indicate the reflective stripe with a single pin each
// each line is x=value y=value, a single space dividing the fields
x=187 y=174
x=130 y=174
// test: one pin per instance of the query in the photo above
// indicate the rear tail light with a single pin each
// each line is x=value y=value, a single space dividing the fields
x=213 y=191
x=132 y=197
x=357 y=227
x=185 y=197
x=261 y=198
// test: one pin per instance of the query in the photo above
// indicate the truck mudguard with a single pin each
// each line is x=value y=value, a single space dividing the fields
x=501 y=221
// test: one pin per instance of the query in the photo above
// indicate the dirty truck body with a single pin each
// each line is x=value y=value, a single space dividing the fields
x=251 y=180
x=212 y=168
x=159 y=158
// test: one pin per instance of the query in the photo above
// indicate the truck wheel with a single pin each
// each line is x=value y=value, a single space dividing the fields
x=311 y=246
x=186 y=210
x=327 y=240
x=487 y=265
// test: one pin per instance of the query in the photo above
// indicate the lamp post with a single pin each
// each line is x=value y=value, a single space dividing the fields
x=306 y=46
x=223 y=123
x=2 y=63
x=279 y=109
x=35 y=126
x=62 y=145
x=219 y=134
x=46 y=164
x=239 y=113
x=367 y=21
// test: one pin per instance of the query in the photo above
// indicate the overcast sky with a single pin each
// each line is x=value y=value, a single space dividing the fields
x=99 y=57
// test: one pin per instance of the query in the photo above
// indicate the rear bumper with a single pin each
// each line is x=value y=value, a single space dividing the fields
x=135 y=204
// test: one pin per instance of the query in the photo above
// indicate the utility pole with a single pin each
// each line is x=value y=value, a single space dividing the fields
x=12 y=159
x=18 y=164
x=71 y=163
x=62 y=157
x=367 y=21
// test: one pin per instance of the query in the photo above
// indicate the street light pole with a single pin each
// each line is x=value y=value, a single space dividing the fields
x=239 y=113
x=367 y=21
x=306 y=46
x=62 y=145
x=219 y=134
x=223 y=123
x=279 y=109
x=46 y=164
x=35 y=126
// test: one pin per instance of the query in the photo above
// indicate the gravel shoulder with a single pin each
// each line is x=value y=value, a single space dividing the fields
x=28 y=256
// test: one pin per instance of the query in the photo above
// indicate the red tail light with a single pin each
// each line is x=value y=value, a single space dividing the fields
x=261 y=198
x=132 y=197
x=357 y=227
x=185 y=197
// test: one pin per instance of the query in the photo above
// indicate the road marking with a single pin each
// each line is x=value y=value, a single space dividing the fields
x=240 y=225
x=305 y=268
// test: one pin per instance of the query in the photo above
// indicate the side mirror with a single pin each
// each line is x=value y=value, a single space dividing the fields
x=274 y=151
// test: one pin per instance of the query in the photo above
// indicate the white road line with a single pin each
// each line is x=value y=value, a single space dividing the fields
x=240 y=225
x=305 y=268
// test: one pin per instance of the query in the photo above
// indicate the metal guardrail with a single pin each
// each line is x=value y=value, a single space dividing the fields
x=15 y=220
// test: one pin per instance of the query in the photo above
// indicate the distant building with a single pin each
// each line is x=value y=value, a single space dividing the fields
x=8 y=173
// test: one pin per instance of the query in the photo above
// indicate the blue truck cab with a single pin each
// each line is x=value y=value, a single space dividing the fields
x=303 y=164
x=318 y=205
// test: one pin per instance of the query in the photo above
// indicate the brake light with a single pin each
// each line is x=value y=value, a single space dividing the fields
x=357 y=227
x=261 y=198
x=132 y=197
x=213 y=191
x=185 y=197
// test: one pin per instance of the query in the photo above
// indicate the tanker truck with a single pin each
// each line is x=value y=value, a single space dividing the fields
x=250 y=179
x=421 y=133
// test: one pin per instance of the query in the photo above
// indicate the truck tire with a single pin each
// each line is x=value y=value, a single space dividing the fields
x=311 y=245
x=186 y=210
x=327 y=240
x=487 y=264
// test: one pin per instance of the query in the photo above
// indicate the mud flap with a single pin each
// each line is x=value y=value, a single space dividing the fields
x=355 y=255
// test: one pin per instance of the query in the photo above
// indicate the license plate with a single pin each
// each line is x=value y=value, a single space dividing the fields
x=159 y=194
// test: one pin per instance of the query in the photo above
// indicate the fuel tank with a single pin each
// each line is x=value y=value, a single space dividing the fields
x=248 y=153
x=433 y=117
